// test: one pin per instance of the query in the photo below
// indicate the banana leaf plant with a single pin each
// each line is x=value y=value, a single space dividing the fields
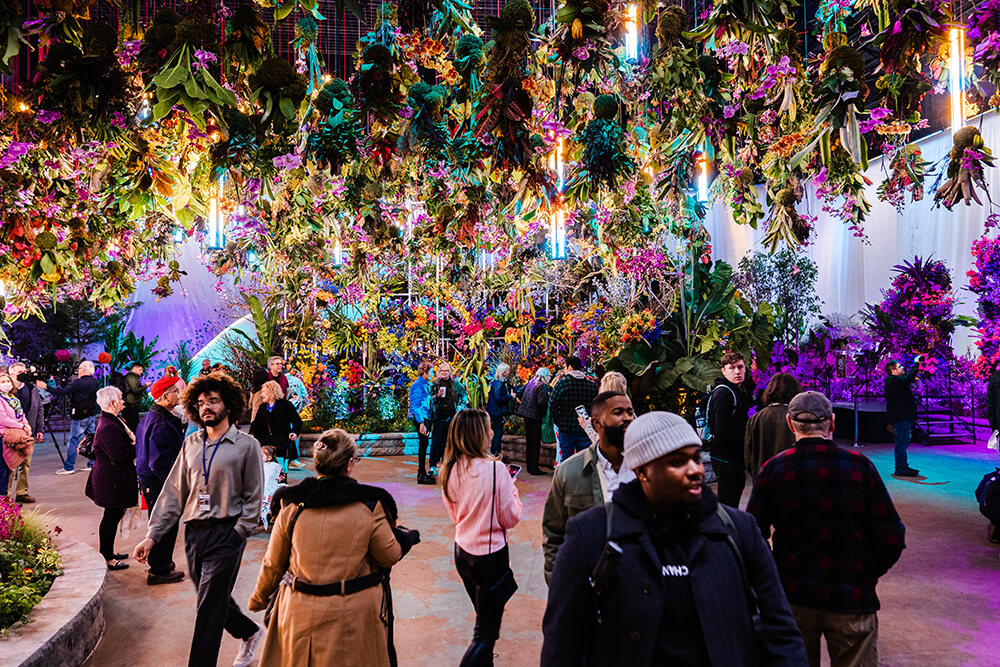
x=713 y=317
x=265 y=322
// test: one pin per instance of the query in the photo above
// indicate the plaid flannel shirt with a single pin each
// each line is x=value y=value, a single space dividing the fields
x=568 y=393
x=836 y=530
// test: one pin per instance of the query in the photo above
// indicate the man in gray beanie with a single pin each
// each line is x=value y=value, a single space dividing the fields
x=665 y=575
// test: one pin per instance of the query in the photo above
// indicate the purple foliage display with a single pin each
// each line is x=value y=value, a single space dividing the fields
x=984 y=281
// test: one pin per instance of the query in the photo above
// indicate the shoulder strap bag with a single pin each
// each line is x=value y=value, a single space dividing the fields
x=503 y=589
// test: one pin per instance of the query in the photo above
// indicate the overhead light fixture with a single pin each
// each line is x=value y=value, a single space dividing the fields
x=557 y=234
x=957 y=78
x=632 y=32
x=216 y=237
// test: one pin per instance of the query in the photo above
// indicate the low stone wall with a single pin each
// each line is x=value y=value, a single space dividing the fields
x=400 y=444
x=64 y=628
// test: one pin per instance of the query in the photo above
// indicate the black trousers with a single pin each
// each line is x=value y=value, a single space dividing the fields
x=109 y=526
x=484 y=572
x=130 y=415
x=214 y=552
x=161 y=556
x=422 y=441
x=732 y=479
x=496 y=445
x=532 y=443
x=439 y=434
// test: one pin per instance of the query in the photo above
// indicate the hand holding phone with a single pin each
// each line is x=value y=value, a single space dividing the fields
x=513 y=469
x=581 y=412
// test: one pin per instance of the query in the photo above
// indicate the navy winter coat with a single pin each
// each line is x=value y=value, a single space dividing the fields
x=707 y=590
x=158 y=440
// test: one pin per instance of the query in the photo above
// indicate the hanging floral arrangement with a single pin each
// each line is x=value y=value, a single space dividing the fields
x=966 y=161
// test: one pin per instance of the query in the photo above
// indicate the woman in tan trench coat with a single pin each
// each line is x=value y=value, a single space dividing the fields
x=331 y=532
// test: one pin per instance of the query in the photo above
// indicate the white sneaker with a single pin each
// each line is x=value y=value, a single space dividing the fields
x=296 y=465
x=63 y=471
x=247 y=647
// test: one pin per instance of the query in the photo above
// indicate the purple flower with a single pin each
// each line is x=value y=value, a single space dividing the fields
x=289 y=161
x=128 y=52
x=878 y=115
x=730 y=110
x=734 y=48
x=48 y=117
x=581 y=52
x=202 y=59
x=117 y=120
x=820 y=177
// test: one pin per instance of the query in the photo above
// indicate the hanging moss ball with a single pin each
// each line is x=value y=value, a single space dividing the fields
x=470 y=45
x=786 y=198
x=166 y=16
x=378 y=55
x=673 y=21
x=788 y=41
x=188 y=32
x=45 y=240
x=517 y=15
x=277 y=76
x=244 y=17
x=336 y=89
x=100 y=39
x=606 y=106
x=159 y=36
x=963 y=139
x=845 y=56
x=306 y=28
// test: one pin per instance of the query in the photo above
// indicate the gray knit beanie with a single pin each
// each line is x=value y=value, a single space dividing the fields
x=656 y=434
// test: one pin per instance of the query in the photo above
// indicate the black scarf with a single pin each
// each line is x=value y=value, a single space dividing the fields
x=334 y=491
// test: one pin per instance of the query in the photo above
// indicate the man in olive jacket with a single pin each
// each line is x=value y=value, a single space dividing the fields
x=589 y=477
x=676 y=593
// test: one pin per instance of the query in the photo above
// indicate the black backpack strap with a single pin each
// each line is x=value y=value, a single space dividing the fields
x=752 y=601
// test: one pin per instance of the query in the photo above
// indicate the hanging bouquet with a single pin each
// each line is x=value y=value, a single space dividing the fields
x=786 y=224
x=907 y=171
x=335 y=139
x=470 y=57
x=604 y=161
x=426 y=126
x=741 y=20
x=585 y=33
x=984 y=38
x=839 y=95
x=966 y=161
x=278 y=90
x=248 y=38
x=376 y=86
x=185 y=80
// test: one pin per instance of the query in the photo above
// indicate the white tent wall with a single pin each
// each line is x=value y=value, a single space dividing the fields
x=853 y=273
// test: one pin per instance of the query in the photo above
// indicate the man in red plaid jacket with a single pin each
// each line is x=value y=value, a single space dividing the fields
x=835 y=532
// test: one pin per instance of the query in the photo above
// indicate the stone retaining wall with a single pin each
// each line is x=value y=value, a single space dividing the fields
x=64 y=628
x=400 y=444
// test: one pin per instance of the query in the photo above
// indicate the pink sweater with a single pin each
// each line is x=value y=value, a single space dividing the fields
x=8 y=416
x=471 y=485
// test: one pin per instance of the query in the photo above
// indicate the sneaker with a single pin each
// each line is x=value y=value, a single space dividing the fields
x=247 y=647
x=63 y=471
x=24 y=498
x=424 y=478
x=906 y=472
x=169 y=578
x=296 y=465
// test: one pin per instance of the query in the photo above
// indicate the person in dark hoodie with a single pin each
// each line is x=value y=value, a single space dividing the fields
x=337 y=609
x=727 y=419
x=158 y=441
x=82 y=393
x=664 y=574
x=901 y=410
x=993 y=416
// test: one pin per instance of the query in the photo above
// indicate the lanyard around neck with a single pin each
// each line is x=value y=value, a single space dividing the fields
x=206 y=470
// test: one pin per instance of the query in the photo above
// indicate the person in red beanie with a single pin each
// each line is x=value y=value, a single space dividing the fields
x=158 y=440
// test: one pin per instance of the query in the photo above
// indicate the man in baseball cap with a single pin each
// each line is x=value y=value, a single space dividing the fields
x=835 y=532
x=158 y=441
x=665 y=570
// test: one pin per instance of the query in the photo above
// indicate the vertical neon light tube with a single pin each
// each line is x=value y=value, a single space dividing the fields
x=957 y=78
x=702 y=178
x=558 y=234
x=632 y=32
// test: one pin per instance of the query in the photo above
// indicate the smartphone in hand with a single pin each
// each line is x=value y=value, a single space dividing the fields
x=581 y=412
x=513 y=469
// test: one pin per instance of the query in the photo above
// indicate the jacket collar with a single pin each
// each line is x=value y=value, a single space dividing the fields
x=813 y=441
x=334 y=491
x=166 y=414
x=590 y=458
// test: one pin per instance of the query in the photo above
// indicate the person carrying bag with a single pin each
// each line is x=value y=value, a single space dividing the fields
x=481 y=499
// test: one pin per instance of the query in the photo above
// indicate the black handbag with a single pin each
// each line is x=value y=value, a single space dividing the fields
x=86 y=447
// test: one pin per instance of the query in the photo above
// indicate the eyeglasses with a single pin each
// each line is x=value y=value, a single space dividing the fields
x=210 y=401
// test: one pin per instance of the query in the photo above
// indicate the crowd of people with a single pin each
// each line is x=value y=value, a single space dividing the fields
x=645 y=562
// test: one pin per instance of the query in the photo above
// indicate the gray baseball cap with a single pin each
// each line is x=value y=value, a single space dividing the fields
x=810 y=407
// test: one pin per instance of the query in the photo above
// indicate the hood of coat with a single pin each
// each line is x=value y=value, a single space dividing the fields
x=333 y=491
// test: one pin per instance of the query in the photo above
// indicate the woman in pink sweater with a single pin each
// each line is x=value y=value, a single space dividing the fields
x=11 y=417
x=482 y=500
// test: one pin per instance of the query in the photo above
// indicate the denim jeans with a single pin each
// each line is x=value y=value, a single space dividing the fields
x=571 y=443
x=902 y=437
x=77 y=429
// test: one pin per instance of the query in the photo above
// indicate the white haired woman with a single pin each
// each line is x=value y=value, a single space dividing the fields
x=113 y=483
x=498 y=406
x=533 y=408
x=277 y=424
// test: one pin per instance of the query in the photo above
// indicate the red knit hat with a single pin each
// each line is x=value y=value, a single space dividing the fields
x=161 y=385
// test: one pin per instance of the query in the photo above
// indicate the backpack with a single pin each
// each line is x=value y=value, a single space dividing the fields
x=988 y=495
x=701 y=421
x=117 y=380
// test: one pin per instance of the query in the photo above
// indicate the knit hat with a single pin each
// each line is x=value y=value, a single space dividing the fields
x=161 y=385
x=656 y=434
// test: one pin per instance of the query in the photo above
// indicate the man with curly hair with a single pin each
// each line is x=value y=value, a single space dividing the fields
x=215 y=487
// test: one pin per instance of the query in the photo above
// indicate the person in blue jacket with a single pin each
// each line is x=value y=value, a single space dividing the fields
x=420 y=414
x=498 y=406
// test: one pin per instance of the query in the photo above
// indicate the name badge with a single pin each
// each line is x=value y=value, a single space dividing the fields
x=204 y=502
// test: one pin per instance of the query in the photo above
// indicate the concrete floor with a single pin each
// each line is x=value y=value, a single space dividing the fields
x=940 y=603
